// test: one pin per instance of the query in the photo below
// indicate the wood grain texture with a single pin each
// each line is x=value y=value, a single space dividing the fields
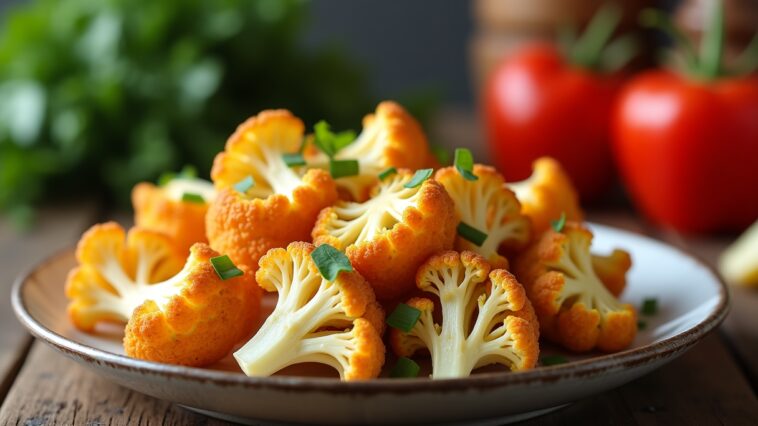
x=53 y=390
x=56 y=228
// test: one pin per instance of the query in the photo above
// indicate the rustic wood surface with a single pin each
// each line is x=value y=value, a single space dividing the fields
x=711 y=384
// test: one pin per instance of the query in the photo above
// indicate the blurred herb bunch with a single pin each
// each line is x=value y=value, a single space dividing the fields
x=96 y=95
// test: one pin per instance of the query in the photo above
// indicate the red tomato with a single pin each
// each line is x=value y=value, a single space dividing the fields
x=537 y=104
x=688 y=150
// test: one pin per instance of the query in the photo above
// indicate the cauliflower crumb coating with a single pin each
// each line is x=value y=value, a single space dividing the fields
x=161 y=208
x=194 y=318
x=338 y=323
x=391 y=137
x=546 y=194
x=486 y=318
x=282 y=204
x=573 y=306
x=391 y=234
x=489 y=206
x=175 y=312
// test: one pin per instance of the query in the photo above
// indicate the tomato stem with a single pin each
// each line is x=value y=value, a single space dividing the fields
x=712 y=44
x=654 y=18
x=748 y=61
x=591 y=49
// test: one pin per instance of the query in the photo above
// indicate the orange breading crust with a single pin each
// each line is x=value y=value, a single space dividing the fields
x=183 y=222
x=199 y=325
x=570 y=323
x=496 y=199
x=389 y=261
x=612 y=270
x=367 y=359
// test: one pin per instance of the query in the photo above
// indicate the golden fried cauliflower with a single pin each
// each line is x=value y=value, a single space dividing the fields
x=173 y=314
x=489 y=206
x=486 y=318
x=574 y=308
x=390 y=138
x=177 y=209
x=391 y=234
x=547 y=194
x=337 y=323
x=612 y=269
x=280 y=205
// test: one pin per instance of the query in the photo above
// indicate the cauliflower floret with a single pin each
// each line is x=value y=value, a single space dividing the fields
x=489 y=206
x=390 y=138
x=162 y=209
x=337 y=323
x=612 y=269
x=390 y=235
x=546 y=194
x=282 y=204
x=486 y=318
x=181 y=315
x=574 y=308
x=739 y=262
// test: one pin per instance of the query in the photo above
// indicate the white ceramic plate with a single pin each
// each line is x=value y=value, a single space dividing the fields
x=691 y=299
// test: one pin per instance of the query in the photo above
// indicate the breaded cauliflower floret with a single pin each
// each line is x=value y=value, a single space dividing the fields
x=547 y=194
x=574 y=308
x=337 y=323
x=486 y=318
x=390 y=138
x=282 y=204
x=179 y=315
x=612 y=269
x=391 y=234
x=161 y=208
x=489 y=206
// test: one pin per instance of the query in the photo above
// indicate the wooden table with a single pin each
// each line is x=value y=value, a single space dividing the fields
x=714 y=383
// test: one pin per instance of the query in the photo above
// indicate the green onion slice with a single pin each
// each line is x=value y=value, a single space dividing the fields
x=191 y=197
x=405 y=367
x=293 y=160
x=472 y=234
x=330 y=261
x=329 y=142
x=404 y=317
x=650 y=306
x=464 y=163
x=553 y=360
x=225 y=268
x=245 y=184
x=641 y=325
x=384 y=174
x=188 y=172
x=343 y=168
x=559 y=223
x=419 y=177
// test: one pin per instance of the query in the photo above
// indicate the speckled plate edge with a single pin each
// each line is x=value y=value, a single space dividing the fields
x=583 y=368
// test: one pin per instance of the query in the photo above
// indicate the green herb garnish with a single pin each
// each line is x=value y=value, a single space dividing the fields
x=404 y=317
x=419 y=177
x=641 y=325
x=464 y=163
x=191 y=197
x=471 y=234
x=225 y=268
x=553 y=360
x=559 y=223
x=441 y=154
x=330 y=261
x=188 y=172
x=650 y=306
x=328 y=142
x=343 y=168
x=293 y=160
x=384 y=174
x=244 y=185
x=405 y=368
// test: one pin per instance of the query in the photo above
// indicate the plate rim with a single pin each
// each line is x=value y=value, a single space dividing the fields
x=583 y=368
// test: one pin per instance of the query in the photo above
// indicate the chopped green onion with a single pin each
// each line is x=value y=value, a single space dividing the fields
x=472 y=234
x=641 y=325
x=225 y=268
x=405 y=367
x=343 y=168
x=191 y=197
x=419 y=177
x=188 y=172
x=165 y=178
x=464 y=163
x=293 y=160
x=559 y=223
x=650 y=306
x=384 y=174
x=553 y=360
x=330 y=261
x=329 y=142
x=245 y=184
x=441 y=154
x=404 y=317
